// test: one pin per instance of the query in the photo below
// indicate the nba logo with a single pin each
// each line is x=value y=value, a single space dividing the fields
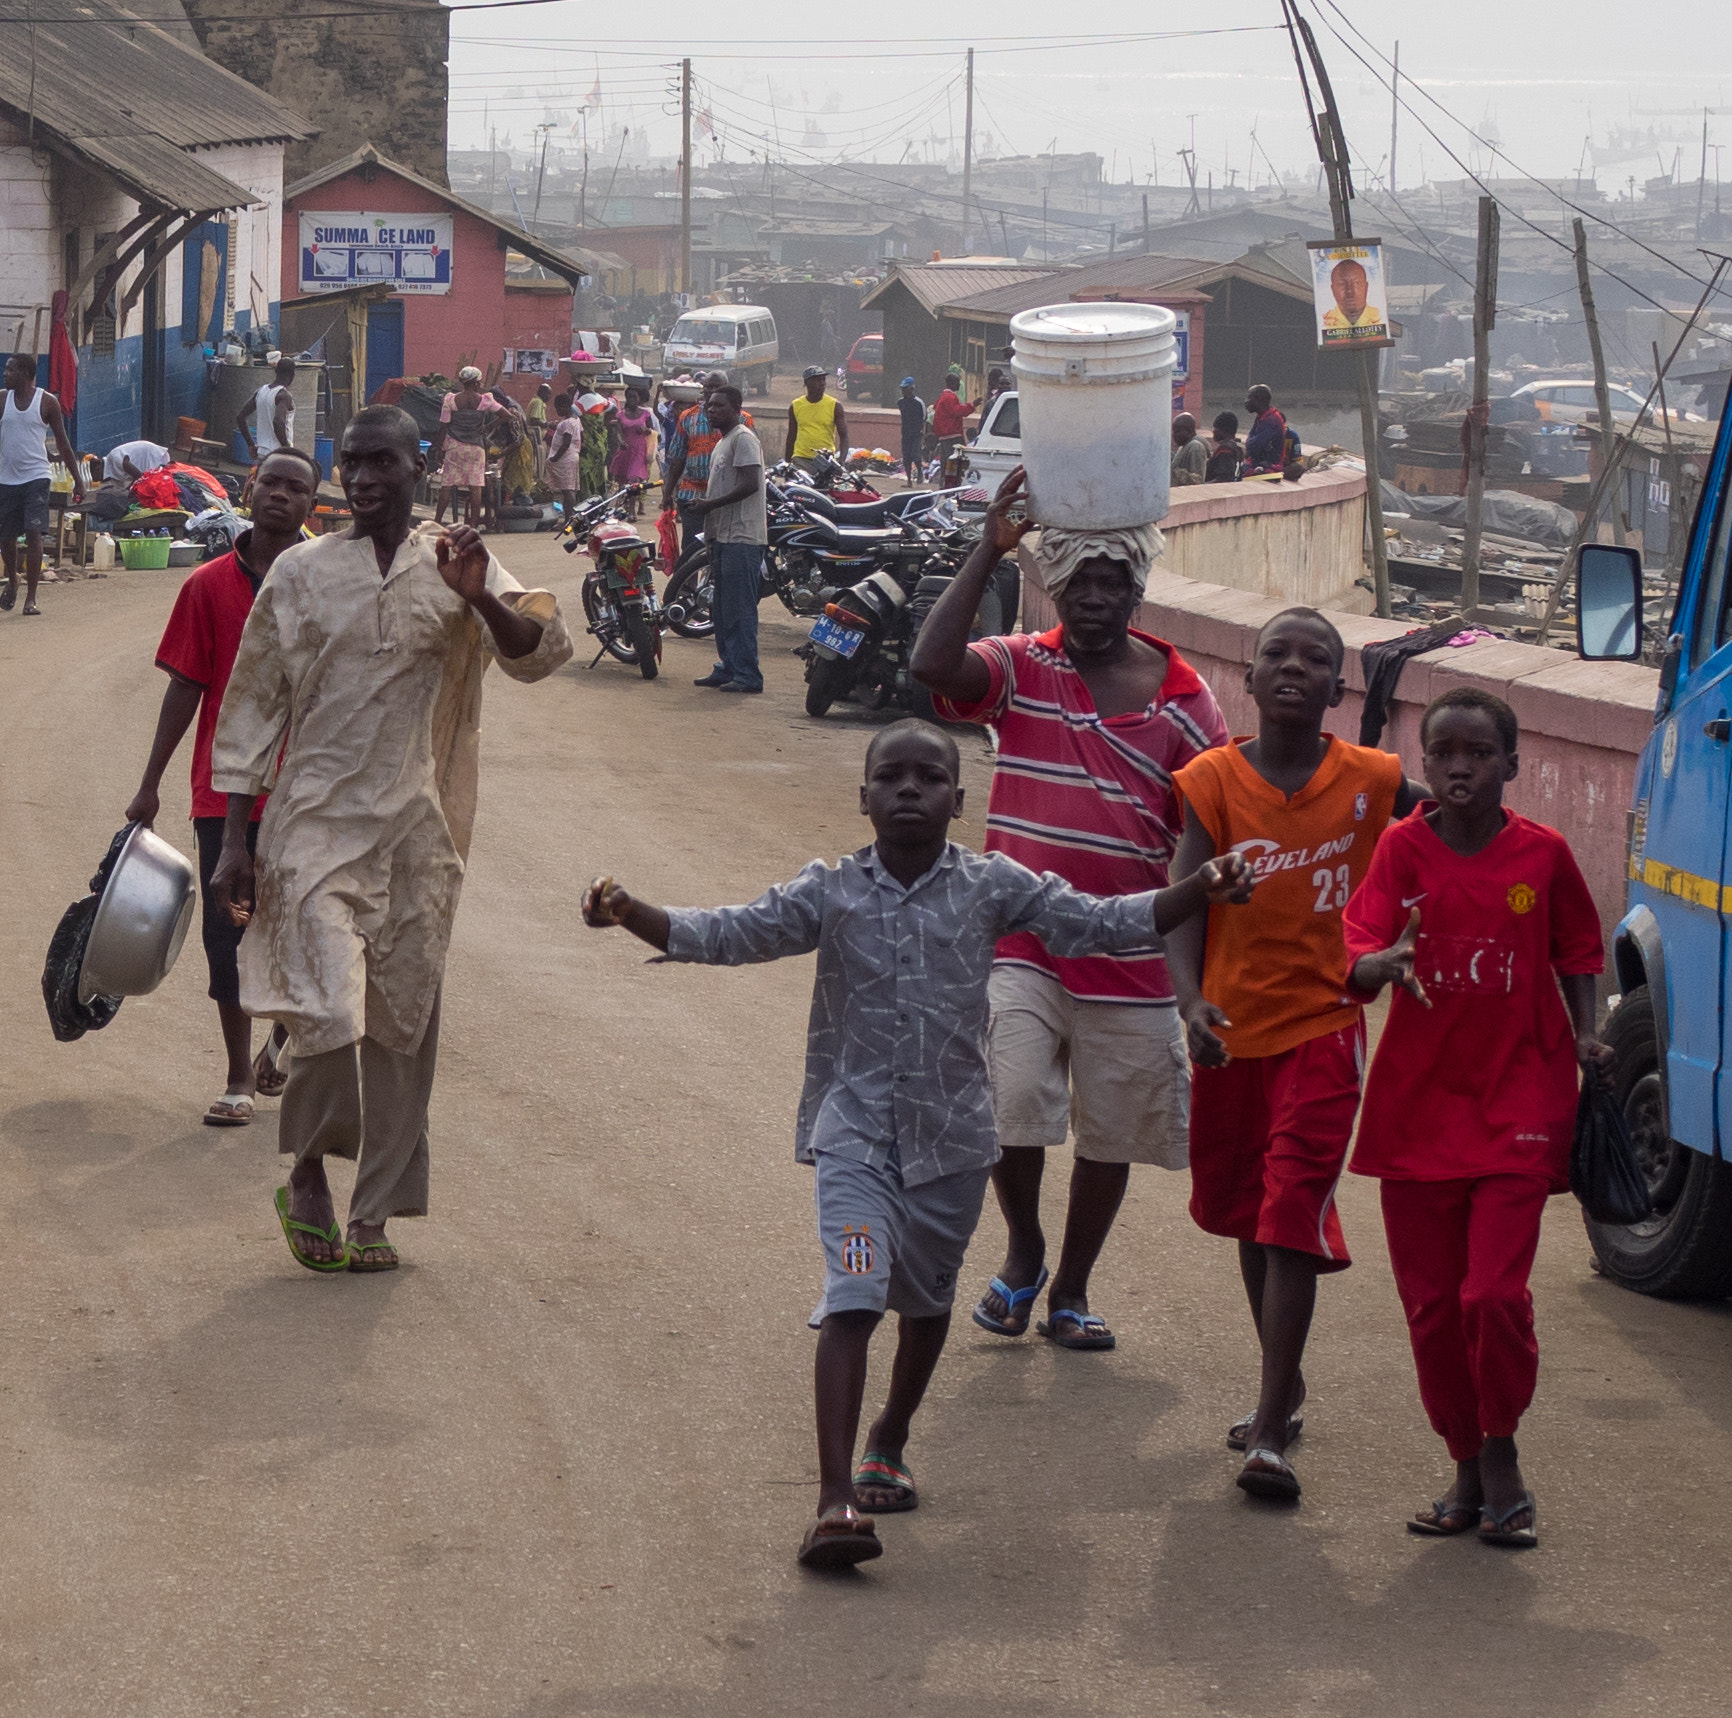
x=857 y=1250
x=1360 y=802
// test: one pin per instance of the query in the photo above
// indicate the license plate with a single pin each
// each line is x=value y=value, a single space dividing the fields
x=844 y=640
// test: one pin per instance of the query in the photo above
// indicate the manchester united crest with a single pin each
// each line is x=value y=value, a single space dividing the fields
x=1521 y=897
x=857 y=1250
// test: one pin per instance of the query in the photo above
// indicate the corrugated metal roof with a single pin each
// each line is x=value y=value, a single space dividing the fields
x=1120 y=274
x=936 y=284
x=567 y=264
x=131 y=99
x=1132 y=275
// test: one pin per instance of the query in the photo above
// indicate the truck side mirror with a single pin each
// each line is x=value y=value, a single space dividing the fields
x=1608 y=603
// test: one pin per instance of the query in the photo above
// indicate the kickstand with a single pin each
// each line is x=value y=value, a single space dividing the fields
x=598 y=656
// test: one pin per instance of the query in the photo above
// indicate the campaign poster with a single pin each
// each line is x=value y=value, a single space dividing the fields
x=1349 y=294
x=409 y=253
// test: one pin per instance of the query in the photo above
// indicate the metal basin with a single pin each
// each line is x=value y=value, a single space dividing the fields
x=141 y=921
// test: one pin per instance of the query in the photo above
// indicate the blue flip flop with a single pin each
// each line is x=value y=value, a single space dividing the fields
x=1012 y=1298
x=1090 y=1329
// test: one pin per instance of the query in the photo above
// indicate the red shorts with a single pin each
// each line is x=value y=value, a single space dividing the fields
x=1269 y=1138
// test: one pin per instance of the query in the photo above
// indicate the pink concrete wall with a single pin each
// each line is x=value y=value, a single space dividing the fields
x=1583 y=723
x=440 y=330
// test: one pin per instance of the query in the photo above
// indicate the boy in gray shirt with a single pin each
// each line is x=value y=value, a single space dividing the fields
x=897 y=1108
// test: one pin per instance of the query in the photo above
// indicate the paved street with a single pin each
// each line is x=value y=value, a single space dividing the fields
x=559 y=1464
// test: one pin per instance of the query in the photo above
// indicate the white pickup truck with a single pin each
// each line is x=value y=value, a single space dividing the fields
x=996 y=450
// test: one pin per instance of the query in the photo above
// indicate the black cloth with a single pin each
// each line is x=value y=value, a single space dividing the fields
x=1382 y=662
x=69 y=1016
x=1225 y=459
x=913 y=413
x=222 y=936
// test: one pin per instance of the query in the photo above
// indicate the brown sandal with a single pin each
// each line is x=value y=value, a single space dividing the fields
x=840 y=1538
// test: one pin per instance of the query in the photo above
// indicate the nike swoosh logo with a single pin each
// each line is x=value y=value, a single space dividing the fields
x=1411 y=900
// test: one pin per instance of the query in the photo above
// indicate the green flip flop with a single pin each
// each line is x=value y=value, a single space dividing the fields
x=292 y=1227
x=880 y=1472
x=361 y=1256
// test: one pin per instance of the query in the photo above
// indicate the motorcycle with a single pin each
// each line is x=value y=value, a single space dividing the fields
x=619 y=596
x=829 y=476
x=815 y=545
x=862 y=643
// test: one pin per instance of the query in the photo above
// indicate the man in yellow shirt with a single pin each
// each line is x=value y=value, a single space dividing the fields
x=816 y=422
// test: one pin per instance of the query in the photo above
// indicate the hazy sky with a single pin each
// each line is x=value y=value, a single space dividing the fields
x=1536 y=72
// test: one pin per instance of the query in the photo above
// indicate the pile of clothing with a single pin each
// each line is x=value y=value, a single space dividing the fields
x=184 y=487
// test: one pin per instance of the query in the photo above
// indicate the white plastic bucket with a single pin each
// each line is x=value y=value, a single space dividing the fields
x=1094 y=383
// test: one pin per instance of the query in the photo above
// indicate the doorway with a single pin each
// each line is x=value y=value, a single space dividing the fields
x=384 y=344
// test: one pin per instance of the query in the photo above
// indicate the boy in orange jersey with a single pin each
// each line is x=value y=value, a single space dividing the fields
x=1277 y=1039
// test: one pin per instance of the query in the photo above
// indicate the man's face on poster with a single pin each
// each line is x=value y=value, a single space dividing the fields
x=1347 y=281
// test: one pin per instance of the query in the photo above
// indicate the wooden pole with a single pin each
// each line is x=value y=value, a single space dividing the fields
x=1331 y=143
x=1484 y=318
x=1145 y=223
x=1394 y=113
x=1602 y=397
x=967 y=149
x=686 y=176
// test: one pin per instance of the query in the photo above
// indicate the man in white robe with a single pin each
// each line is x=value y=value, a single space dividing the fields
x=367 y=650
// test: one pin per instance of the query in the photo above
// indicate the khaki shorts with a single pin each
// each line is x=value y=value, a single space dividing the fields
x=1112 y=1074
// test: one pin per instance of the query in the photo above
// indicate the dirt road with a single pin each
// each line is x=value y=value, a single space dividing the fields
x=560 y=1462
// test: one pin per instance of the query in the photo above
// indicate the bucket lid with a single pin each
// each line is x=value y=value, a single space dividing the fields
x=1075 y=323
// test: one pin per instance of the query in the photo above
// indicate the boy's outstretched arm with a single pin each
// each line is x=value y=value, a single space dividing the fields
x=606 y=904
x=1185 y=954
x=1394 y=965
x=1226 y=881
x=1595 y=1055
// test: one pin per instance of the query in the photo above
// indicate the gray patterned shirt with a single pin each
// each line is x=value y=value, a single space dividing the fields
x=896 y=1044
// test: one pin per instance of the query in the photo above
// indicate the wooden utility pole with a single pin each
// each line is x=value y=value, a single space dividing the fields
x=1331 y=143
x=1394 y=113
x=1484 y=320
x=1145 y=223
x=967 y=149
x=686 y=176
x=1602 y=396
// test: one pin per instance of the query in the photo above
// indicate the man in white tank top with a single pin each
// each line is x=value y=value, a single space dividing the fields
x=28 y=415
x=274 y=407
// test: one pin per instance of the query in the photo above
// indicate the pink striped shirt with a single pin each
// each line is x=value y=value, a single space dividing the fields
x=1087 y=798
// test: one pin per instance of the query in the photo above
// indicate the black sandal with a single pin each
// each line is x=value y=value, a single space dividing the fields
x=1446 y=1520
x=1495 y=1529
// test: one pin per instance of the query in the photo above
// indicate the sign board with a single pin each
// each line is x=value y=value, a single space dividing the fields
x=531 y=361
x=407 y=252
x=1182 y=346
x=1349 y=294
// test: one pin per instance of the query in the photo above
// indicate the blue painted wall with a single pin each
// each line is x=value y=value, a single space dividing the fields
x=109 y=396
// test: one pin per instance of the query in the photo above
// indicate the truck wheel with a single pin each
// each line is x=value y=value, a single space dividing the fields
x=1684 y=1251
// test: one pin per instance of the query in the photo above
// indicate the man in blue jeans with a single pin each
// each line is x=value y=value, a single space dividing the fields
x=736 y=529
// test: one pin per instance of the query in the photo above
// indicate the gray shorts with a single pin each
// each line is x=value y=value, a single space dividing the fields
x=890 y=1248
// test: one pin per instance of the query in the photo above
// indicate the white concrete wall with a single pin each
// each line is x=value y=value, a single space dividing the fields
x=29 y=236
x=259 y=240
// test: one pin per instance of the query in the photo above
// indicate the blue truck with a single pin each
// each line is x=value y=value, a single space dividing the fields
x=1672 y=1026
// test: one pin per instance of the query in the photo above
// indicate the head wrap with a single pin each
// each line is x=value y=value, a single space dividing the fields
x=1058 y=553
x=469 y=374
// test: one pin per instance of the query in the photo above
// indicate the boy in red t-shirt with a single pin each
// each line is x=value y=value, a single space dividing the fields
x=197 y=654
x=1469 y=910
x=1277 y=1042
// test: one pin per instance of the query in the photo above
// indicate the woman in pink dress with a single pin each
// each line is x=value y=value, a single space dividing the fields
x=631 y=428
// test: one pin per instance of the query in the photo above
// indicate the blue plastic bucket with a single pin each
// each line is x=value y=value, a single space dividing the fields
x=324 y=450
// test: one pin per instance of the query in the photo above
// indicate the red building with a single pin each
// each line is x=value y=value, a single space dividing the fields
x=465 y=287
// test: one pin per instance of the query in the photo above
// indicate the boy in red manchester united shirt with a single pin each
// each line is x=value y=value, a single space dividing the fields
x=1469 y=910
